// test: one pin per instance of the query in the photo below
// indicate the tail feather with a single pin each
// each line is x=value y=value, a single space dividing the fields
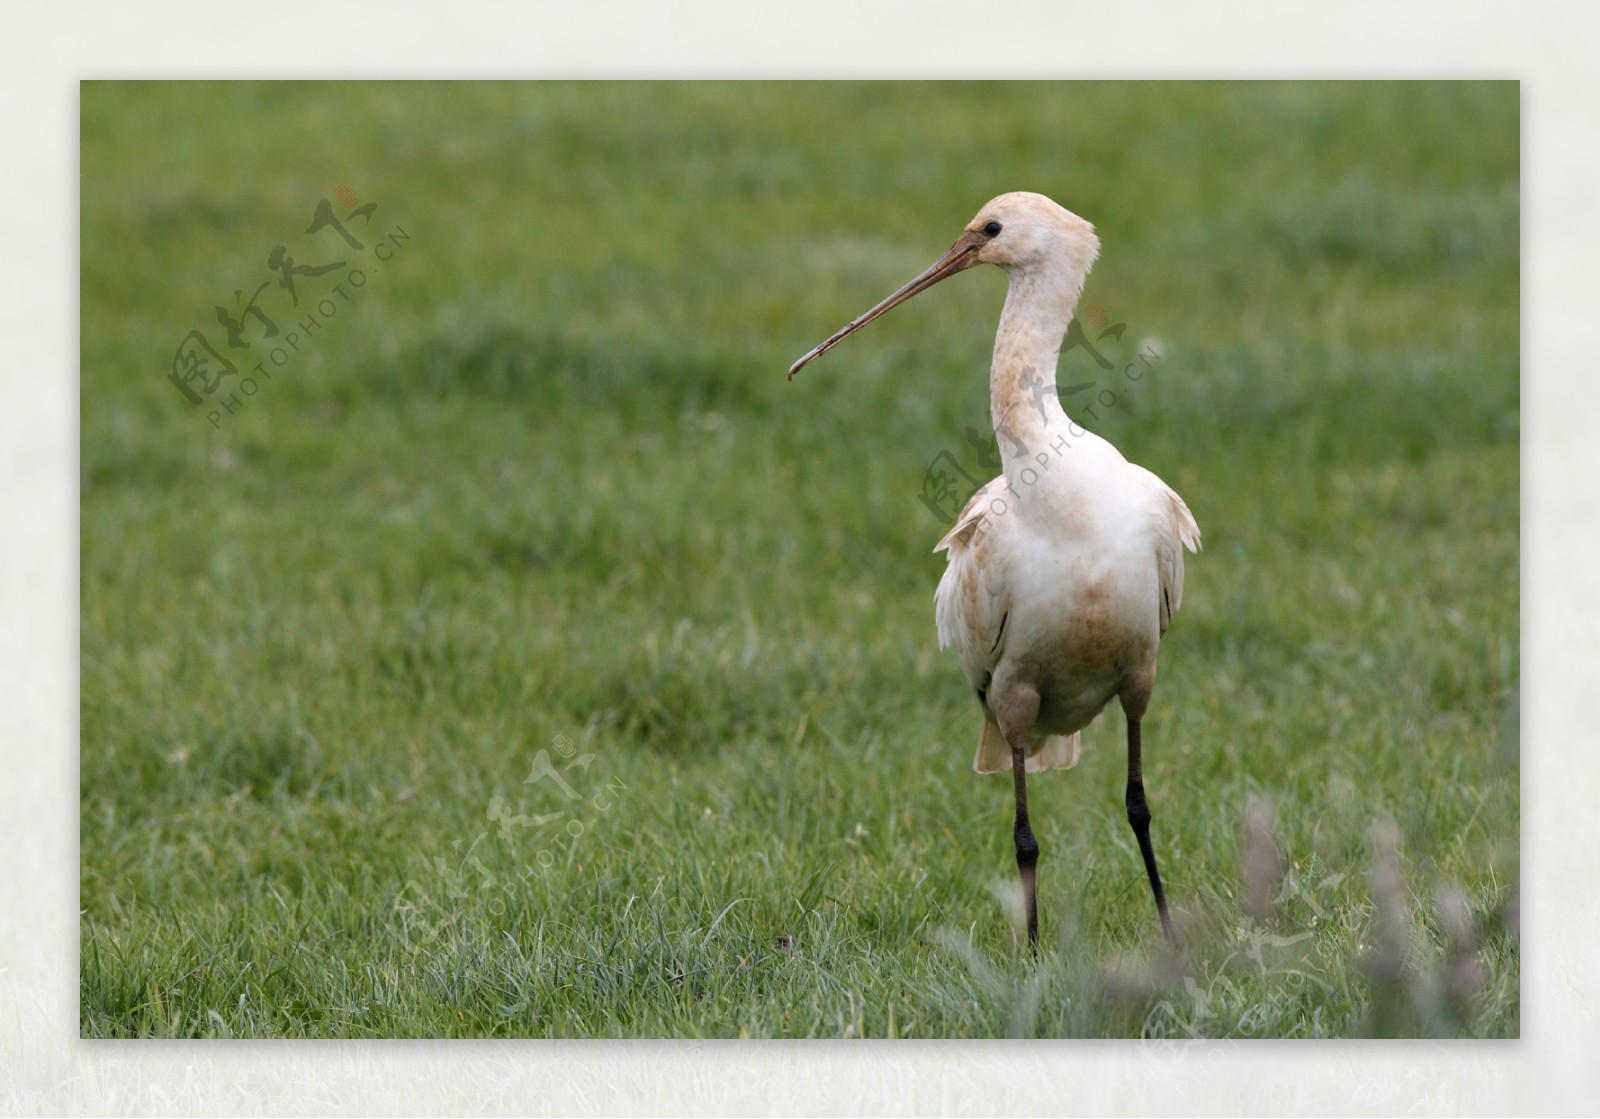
x=1055 y=751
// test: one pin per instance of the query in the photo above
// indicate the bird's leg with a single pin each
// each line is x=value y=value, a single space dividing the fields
x=1139 y=817
x=1016 y=708
x=1027 y=845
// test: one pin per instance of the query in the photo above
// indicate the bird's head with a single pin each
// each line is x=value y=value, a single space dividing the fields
x=1026 y=234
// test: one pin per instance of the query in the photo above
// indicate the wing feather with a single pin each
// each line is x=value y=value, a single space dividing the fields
x=1175 y=530
x=971 y=603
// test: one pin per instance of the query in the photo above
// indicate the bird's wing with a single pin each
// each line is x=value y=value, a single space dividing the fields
x=972 y=606
x=1175 y=529
x=971 y=603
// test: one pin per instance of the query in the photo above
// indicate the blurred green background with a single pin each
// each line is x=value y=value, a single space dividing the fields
x=528 y=657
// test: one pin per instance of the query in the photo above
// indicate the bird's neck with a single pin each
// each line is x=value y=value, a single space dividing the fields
x=1023 y=401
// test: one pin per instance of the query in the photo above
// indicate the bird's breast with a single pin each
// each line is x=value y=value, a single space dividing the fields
x=1082 y=626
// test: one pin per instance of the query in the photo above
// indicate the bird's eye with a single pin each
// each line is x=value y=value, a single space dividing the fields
x=992 y=229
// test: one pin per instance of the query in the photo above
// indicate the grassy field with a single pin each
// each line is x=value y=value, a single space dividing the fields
x=523 y=656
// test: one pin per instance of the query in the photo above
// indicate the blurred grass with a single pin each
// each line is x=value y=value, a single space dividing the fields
x=542 y=478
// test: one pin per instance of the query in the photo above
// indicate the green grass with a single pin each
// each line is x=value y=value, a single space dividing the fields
x=541 y=485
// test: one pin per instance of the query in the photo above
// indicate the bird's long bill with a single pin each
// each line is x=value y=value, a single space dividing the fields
x=963 y=254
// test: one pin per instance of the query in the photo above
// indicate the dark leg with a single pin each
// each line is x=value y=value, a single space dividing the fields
x=1139 y=817
x=1027 y=846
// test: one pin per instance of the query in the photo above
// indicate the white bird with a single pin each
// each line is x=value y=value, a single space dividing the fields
x=1064 y=572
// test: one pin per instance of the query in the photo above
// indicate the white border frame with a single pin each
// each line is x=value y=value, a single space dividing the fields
x=45 y=1068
